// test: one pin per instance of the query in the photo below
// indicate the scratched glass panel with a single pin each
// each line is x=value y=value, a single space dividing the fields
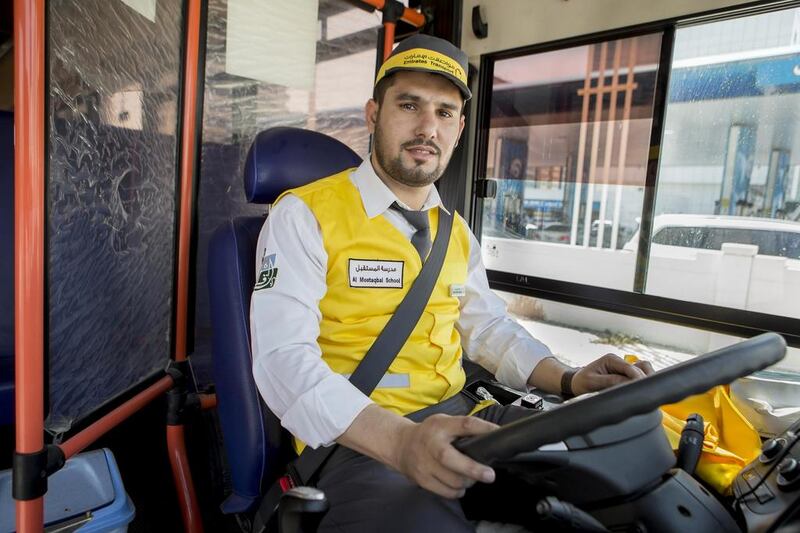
x=262 y=71
x=112 y=176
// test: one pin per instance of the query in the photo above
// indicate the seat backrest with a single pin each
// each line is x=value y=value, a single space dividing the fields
x=6 y=268
x=279 y=159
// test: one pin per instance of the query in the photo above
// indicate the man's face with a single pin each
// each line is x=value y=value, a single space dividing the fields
x=416 y=127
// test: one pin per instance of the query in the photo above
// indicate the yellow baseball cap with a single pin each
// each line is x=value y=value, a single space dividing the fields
x=425 y=53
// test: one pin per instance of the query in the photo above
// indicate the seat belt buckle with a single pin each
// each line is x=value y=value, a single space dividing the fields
x=482 y=389
x=286 y=482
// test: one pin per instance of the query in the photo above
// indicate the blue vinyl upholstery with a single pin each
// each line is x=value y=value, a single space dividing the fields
x=6 y=268
x=284 y=158
x=279 y=159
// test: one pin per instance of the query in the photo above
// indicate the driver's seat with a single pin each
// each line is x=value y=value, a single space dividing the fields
x=256 y=448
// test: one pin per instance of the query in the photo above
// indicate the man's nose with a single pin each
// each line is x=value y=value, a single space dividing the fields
x=426 y=126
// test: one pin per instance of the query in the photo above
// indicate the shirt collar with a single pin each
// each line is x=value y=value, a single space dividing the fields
x=377 y=197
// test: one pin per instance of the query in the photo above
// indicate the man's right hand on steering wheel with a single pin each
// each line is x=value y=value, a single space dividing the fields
x=425 y=454
x=423 y=451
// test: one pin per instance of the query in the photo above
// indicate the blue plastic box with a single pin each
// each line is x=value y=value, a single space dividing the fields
x=87 y=491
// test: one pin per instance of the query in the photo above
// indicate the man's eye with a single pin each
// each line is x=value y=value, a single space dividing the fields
x=445 y=114
x=408 y=107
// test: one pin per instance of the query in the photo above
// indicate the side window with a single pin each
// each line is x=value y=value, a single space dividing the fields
x=780 y=244
x=790 y=245
x=687 y=237
x=729 y=155
x=568 y=146
x=767 y=242
x=689 y=134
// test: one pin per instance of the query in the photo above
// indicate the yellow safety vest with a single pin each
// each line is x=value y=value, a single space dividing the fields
x=371 y=266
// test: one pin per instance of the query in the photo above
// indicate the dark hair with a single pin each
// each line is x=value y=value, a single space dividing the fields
x=382 y=86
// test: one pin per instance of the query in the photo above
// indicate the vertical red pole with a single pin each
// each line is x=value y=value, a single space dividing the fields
x=188 y=137
x=388 y=39
x=190 y=511
x=29 y=183
x=184 y=486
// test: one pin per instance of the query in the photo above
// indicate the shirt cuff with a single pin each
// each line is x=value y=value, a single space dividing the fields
x=322 y=414
x=518 y=363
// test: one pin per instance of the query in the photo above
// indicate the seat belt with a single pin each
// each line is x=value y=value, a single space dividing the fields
x=373 y=366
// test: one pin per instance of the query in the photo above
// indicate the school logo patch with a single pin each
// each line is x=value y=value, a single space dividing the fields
x=268 y=272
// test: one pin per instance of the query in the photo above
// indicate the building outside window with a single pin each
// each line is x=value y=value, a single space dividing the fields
x=569 y=143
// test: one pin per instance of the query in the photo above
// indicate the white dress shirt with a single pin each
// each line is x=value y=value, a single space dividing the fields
x=314 y=403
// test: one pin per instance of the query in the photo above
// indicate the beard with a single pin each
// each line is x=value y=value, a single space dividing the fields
x=413 y=176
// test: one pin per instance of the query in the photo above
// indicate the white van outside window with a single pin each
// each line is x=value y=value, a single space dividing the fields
x=671 y=232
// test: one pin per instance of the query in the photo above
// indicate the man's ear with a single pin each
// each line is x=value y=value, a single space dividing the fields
x=461 y=123
x=371 y=114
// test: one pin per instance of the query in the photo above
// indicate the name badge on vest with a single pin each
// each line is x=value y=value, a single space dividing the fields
x=457 y=290
x=376 y=274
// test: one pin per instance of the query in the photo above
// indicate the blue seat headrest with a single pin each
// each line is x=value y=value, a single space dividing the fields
x=284 y=158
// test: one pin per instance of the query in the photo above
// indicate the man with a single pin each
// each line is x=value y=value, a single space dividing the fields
x=316 y=321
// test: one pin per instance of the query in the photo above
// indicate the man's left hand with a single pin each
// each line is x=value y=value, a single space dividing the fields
x=608 y=371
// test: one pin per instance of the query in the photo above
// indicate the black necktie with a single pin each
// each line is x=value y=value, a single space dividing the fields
x=421 y=239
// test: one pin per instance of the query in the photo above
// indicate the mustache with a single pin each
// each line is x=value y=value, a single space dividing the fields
x=430 y=144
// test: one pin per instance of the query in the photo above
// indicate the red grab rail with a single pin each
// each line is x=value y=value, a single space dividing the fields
x=29 y=209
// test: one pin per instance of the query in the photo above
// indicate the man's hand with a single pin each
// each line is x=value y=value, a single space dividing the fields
x=426 y=455
x=423 y=452
x=608 y=371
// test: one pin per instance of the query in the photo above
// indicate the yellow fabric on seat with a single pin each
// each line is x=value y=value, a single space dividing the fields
x=730 y=441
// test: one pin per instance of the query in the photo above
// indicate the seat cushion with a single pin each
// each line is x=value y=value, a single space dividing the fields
x=255 y=449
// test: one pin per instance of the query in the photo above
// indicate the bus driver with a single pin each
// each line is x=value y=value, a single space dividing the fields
x=341 y=254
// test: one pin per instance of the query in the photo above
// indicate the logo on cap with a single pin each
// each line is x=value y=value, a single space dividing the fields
x=426 y=53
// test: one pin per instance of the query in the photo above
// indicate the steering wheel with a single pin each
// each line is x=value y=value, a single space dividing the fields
x=623 y=401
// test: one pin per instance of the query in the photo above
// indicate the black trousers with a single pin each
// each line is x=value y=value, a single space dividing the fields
x=367 y=496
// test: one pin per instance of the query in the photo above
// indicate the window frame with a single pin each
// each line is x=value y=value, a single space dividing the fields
x=636 y=302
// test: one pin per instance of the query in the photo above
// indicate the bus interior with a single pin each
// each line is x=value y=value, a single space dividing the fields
x=631 y=169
